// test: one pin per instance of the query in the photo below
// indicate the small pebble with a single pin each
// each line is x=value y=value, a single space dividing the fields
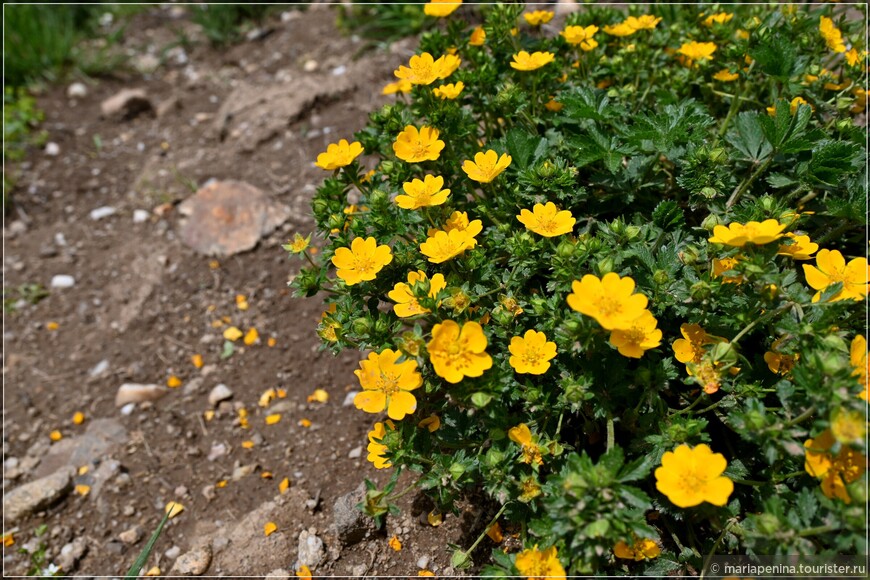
x=140 y=216
x=63 y=281
x=218 y=394
x=77 y=91
x=128 y=409
x=102 y=212
x=339 y=70
x=310 y=65
x=348 y=399
x=173 y=552
x=423 y=562
x=355 y=453
x=52 y=149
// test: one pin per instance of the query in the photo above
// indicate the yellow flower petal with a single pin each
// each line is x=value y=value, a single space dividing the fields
x=232 y=334
x=269 y=528
x=173 y=508
x=273 y=418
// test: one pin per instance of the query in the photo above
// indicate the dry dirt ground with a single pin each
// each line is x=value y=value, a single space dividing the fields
x=143 y=303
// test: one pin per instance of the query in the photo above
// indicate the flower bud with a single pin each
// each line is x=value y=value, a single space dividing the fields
x=689 y=256
x=632 y=232
x=571 y=326
x=709 y=192
x=700 y=291
x=844 y=125
x=361 y=326
x=768 y=524
x=379 y=198
x=718 y=154
x=711 y=221
x=336 y=221
x=605 y=265
x=382 y=326
x=566 y=249
x=661 y=277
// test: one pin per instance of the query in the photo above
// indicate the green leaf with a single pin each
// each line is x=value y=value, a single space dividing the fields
x=830 y=162
x=637 y=469
x=133 y=572
x=668 y=216
x=747 y=136
x=586 y=103
x=779 y=180
x=228 y=350
x=524 y=148
x=776 y=56
x=481 y=400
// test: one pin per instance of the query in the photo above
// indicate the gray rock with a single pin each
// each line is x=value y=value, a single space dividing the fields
x=102 y=212
x=279 y=574
x=173 y=552
x=131 y=536
x=126 y=104
x=193 y=563
x=359 y=570
x=311 y=551
x=36 y=495
x=71 y=553
x=99 y=368
x=219 y=393
x=100 y=439
x=62 y=281
x=423 y=562
x=350 y=524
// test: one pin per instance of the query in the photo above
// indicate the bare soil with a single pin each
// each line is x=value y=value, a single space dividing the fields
x=145 y=303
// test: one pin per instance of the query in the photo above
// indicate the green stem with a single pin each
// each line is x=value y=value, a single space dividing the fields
x=835 y=233
x=690 y=407
x=716 y=545
x=741 y=189
x=817 y=530
x=405 y=491
x=492 y=522
x=760 y=319
x=611 y=435
x=802 y=417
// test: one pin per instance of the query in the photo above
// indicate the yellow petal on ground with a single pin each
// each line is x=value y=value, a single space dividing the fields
x=305 y=423
x=267 y=397
x=281 y=393
x=269 y=528
x=208 y=415
x=83 y=490
x=55 y=435
x=495 y=534
x=434 y=518
x=173 y=382
x=78 y=418
x=232 y=334
x=303 y=572
x=241 y=302
x=174 y=508
x=273 y=418
x=217 y=323
x=8 y=539
x=425 y=573
x=83 y=469
x=318 y=396
x=284 y=485
x=251 y=336
x=221 y=484
x=248 y=444
x=214 y=264
x=197 y=361
x=271 y=342
x=395 y=543
x=266 y=475
x=52 y=326
x=153 y=571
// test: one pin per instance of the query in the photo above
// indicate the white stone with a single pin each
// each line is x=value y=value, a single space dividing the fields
x=102 y=212
x=128 y=409
x=52 y=149
x=140 y=216
x=77 y=91
x=62 y=281
x=310 y=65
x=219 y=393
x=355 y=453
x=339 y=70
x=99 y=368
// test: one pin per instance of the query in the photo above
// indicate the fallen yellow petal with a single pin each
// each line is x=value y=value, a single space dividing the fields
x=318 y=396
x=266 y=475
x=305 y=423
x=232 y=334
x=241 y=302
x=284 y=485
x=214 y=264
x=432 y=423
x=267 y=397
x=83 y=490
x=248 y=444
x=281 y=393
x=271 y=342
x=494 y=533
x=197 y=361
x=52 y=326
x=173 y=382
x=303 y=572
x=217 y=323
x=227 y=319
x=395 y=543
x=55 y=435
x=78 y=418
x=154 y=571
x=221 y=484
x=8 y=539
x=174 y=508
x=425 y=573
x=252 y=336
x=208 y=415
x=83 y=469
x=273 y=418
x=269 y=528
x=434 y=518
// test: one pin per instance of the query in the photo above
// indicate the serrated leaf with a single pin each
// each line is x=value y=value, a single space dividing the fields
x=748 y=137
x=778 y=180
x=830 y=162
x=523 y=147
x=585 y=103
x=776 y=56
x=736 y=469
x=668 y=216
x=637 y=469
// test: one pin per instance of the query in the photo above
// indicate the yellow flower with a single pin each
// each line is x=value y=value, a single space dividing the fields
x=339 y=154
x=478 y=37
x=431 y=423
x=860 y=103
x=726 y=265
x=609 y=300
x=553 y=105
x=298 y=244
x=375 y=448
x=854 y=58
x=457 y=352
x=621 y=29
x=406 y=303
x=450 y=91
x=720 y=18
x=547 y=220
x=387 y=384
x=641 y=549
x=458 y=220
x=801 y=248
x=834 y=471
x=486 y=166
x=726 y=76
x=793 y=106
x=632 y=24
x=831 y=268
x=362 y=261
x=641 y=337
x=780 y=364
x=697 y=51
x=848 y=427
x=689 y=476
x=536 y=565
x=529 y=489
x=422 y=69
x=423 y=193
x=858 y=360
x=522 y=436
x=539 y=17
x=441 y=8
x=832 y=35
x=413 y=146
x=400 y=86
x=443 y=246
x=575 y=35
x=738 y=235
x=447 y=65
x=690 y=349
x=531 y=354
x=526 y=62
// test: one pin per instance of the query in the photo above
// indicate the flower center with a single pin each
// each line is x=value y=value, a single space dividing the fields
x=420 y=149
x=532 y=356
x=363 y=264
x=546 y=225
x=388 y=383
x=609 y=306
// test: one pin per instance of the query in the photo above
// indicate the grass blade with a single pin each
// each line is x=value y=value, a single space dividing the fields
x=133 y=572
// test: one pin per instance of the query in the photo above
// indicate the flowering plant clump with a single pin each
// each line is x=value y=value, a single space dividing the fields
x=596 y=281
